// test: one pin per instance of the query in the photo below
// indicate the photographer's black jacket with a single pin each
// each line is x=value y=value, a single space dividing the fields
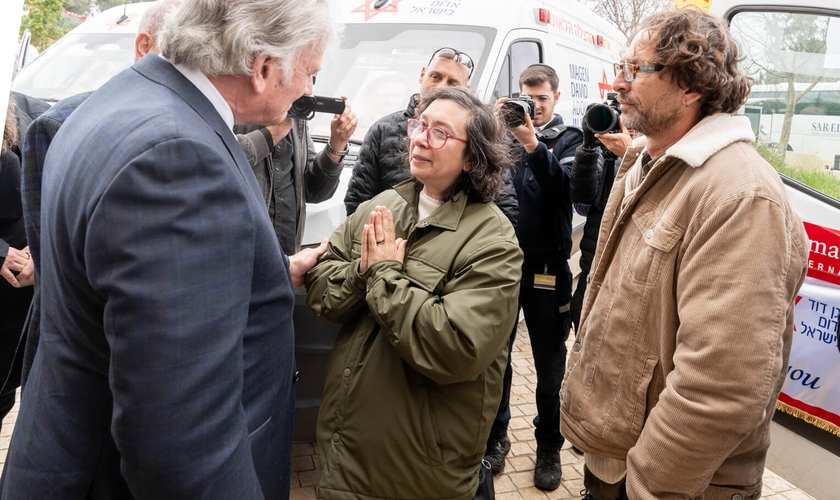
x=380 y=165
x=543 y=181
x=592 y=180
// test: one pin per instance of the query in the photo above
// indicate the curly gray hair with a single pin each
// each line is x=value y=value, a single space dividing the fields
x=223 y=37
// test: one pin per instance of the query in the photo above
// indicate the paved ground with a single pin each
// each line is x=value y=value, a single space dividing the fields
x=516 y=483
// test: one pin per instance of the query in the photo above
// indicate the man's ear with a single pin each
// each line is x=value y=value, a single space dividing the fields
x=556 y=97
x=691 y=97
x=422 y=74
x=143 y=44
x=261 y=71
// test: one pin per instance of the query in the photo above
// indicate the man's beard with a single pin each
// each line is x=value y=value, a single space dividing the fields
x=652 y=120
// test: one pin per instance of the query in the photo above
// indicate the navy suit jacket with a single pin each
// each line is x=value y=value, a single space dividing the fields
x=165 y=365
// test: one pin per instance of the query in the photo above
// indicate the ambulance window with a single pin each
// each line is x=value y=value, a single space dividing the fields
x=503 y=84
x=522 y=54
x=794 y=105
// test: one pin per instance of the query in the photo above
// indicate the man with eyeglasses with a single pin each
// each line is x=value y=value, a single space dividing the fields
x=380 y=166
x=687 y=323
x=544 y=229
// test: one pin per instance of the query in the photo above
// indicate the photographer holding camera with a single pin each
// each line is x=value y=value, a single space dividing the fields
x=605 y=139
x=544 y=229
x=289 y=172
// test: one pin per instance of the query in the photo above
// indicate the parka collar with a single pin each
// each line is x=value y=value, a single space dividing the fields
x=447 y=216
x=707 y=137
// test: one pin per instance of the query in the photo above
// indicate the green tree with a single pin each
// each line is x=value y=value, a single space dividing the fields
x=77 y=6
x=43 y=20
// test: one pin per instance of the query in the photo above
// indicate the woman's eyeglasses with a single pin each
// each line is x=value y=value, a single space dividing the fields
x=455 y=55
x=435 y=136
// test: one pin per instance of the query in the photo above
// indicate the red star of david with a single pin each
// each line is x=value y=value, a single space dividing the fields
x=604 y=86
x=113 y=24
x=367 y=8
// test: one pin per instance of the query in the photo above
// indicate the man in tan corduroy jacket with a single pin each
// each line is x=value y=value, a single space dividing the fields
x=687 y=322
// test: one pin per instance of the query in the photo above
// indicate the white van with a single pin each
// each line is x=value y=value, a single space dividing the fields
x=85 y=58
x=379 y=60
x=377 y=64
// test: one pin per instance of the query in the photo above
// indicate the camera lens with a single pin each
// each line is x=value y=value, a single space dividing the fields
x=601 y=118
x=513 y=113
x=303 y=107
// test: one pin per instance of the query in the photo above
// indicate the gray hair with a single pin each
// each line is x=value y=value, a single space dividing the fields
x=223 y=37
x=152 y=19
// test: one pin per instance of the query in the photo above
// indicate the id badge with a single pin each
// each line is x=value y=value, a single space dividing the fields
x=545 y=281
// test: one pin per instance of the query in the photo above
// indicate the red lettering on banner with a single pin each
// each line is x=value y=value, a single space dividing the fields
x=824 y=257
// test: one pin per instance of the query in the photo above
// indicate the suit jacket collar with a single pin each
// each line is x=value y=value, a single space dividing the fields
x=160 y=71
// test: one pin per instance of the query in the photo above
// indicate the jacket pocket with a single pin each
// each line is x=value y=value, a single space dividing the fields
x=429 y=426
x=629 y=414
x=658 y=238
x=424 y=274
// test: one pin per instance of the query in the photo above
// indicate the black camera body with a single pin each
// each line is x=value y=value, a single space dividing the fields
x=604 y=118
x=513 y=110
x=306 y=106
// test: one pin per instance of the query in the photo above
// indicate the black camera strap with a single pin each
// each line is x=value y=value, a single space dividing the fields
x=551 y=133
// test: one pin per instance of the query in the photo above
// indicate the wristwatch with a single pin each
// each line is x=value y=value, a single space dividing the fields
x=341 y=154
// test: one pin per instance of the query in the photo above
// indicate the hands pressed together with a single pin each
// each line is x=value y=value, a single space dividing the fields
x=379 y=241
x=18 y=261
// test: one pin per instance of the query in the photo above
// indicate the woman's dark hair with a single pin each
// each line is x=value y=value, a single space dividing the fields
x=486 y=150
x=700 y=54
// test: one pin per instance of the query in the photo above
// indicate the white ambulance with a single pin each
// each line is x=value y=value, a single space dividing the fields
x=383 y=49
x=85 y=58
x=377 y=63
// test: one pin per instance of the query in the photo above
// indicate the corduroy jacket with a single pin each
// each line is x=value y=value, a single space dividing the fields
x=687 y=323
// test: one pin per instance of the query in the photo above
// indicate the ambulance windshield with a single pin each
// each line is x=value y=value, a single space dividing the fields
x=378 y=66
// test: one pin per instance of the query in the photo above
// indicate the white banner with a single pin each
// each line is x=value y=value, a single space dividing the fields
x=812 y=388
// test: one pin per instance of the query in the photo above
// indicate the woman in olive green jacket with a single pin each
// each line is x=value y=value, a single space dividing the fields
x=425 y=278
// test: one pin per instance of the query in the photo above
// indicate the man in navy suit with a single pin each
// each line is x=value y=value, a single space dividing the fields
x=165 y=365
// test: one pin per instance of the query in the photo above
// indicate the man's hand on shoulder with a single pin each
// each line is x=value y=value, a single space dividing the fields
x=301 y=262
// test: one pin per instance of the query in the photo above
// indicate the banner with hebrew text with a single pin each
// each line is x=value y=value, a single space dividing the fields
x=812 y=387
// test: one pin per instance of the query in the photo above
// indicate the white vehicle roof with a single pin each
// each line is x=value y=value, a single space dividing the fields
x=504 y=15
x=106 y=21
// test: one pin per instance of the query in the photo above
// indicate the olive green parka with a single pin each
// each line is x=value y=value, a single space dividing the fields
x=415 y=378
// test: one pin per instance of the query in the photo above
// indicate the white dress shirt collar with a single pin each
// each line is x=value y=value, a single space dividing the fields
x=206 y=87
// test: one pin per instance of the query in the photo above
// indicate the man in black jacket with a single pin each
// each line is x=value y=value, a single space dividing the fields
x=593 y=172
x=544 y=230
x=380 y=166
